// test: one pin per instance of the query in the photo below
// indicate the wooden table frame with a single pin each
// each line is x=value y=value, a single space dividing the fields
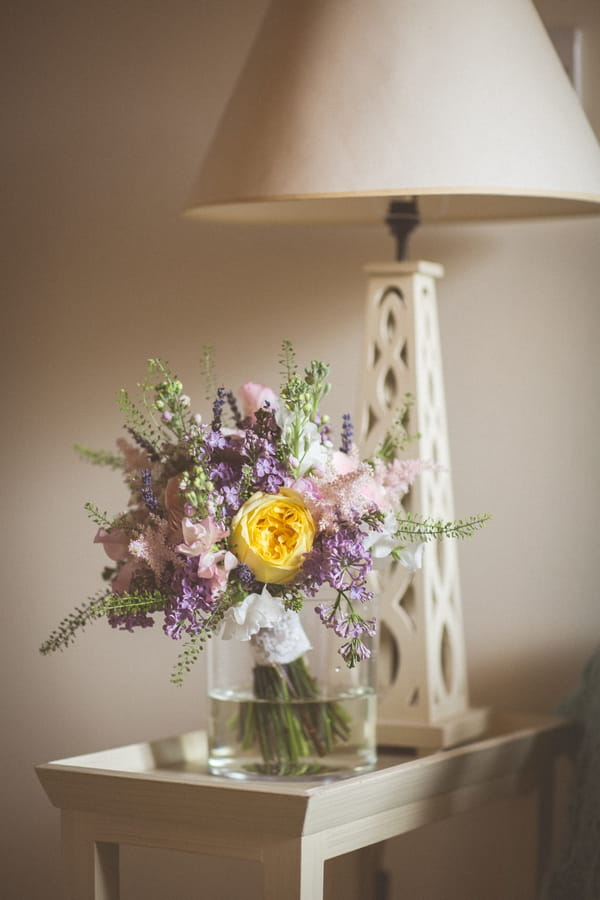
x=159 y=795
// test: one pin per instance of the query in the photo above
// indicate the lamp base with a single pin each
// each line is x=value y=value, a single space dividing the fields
x=448 y=732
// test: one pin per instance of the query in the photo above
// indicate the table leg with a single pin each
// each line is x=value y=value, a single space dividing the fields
x=90 y=867
x=293 y=870
x=357 y=875
x=546 y=812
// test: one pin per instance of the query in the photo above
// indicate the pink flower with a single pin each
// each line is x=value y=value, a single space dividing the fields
x=396 y=478
x=153 y=545
x=374 y=492
x=217 y=567
x=343 y=463
x=122 y=580
x=134 y=457
x=200 y=537
x=174 y=503
x=115 y=543
x=255 y=396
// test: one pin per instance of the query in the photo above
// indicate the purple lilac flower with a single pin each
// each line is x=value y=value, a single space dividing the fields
x=324 y=428
x=268 y=472
x=231 y=497
x=345 y=624
x=129 y=621
x=338 y=559
x=190 y=596
x=269 y=475
x=325 y=612
x=353 y=627
x=354 y=651
x=222 y=459
x=215 y=439
x=246 y=577
x=224 y=473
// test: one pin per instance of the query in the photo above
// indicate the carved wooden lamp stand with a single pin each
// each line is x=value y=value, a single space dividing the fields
x=342 y=106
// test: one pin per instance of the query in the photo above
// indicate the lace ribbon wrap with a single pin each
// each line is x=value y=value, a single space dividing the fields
x=281 y=643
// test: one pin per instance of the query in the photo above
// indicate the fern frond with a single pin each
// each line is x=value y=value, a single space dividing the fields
x=99 y=457
x=186 y=659
x=414 y=529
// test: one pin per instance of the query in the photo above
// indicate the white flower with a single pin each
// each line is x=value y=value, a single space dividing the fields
x=411 y=557
x=381 y=542
x=314 y=453
x=304 y=438
x=256 y=611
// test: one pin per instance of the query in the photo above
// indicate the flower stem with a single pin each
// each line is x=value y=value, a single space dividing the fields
x=287 y=721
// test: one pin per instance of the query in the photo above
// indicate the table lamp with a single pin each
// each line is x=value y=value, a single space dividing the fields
x=398 y=111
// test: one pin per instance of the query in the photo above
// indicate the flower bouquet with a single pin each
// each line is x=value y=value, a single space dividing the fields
x=235 y=524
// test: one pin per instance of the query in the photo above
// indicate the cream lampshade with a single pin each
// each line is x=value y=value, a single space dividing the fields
x=464 y=109
x=343 y=104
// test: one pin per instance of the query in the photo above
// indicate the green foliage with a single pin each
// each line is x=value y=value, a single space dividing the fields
x=97 y=607
x=99 y=457
x=186 y=659
x=101 y=519
x=133 y=415
x=208 y=371
x=413 y=529
x=287 y=361
x=302 y=396
x=398 y=438
x=315 y=377
x=163 y=393
x=293 y=598
x=76 y=621
x=134 y=602
x=196 y=487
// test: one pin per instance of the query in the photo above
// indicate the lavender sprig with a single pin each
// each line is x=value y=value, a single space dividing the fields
x=235 y=410
x=347 y=433
x=144 y=443
x=148 y=495
x=217 y=409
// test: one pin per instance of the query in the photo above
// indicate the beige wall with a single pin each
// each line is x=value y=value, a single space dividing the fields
x=108 y=110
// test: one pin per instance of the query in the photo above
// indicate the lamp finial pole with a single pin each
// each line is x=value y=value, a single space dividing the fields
x=402 y=218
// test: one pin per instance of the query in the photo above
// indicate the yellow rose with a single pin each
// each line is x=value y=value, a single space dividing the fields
x=271 y=533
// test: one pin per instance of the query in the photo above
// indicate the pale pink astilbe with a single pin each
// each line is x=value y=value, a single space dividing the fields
x=343 y=498
x=134 y=457
x=153 y=546
x=397 y=477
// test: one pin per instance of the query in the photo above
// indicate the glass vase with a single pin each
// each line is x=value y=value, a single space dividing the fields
x=280 y=712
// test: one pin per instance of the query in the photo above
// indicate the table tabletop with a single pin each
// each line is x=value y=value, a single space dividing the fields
x=167 y=779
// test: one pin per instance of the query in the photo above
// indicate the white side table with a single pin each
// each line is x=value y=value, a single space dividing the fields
x=159 y=795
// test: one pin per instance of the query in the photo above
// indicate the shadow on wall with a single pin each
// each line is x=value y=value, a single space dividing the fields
x=541 y=680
